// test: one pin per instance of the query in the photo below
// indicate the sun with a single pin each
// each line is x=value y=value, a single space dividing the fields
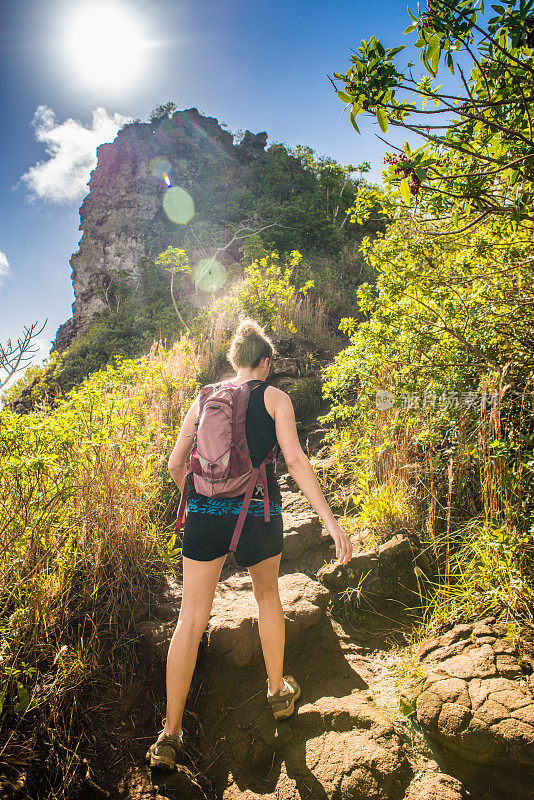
x=104 y=43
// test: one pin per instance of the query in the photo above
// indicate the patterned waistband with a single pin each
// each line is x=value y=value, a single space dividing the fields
x=227 y=505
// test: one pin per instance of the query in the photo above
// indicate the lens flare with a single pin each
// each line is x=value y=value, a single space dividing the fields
x=209 y=275
x=159 y=167
x=178 y=205
x=167 y=179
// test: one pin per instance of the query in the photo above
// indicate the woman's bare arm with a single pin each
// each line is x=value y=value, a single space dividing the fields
x=302 y=471
x=177 y=463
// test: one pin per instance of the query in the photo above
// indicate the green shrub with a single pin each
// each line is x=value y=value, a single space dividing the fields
x=87 y=504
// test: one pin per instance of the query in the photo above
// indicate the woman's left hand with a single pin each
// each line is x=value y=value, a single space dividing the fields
x=342 y=542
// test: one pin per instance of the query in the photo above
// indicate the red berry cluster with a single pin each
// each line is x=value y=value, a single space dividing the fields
x=354 y=88
x=415 y=184
x=405 y=169
x=391 y=158
x=429 y=16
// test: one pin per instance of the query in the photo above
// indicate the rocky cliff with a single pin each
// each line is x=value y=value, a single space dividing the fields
x=123 y=218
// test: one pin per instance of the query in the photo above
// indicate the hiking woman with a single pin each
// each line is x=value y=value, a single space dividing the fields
x=208 y=530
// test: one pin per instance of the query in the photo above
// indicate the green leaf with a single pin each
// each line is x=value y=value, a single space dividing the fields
x=414 y=19
x=405 y=192
x=410 y=29
x=353 y=121
x=450 y=63
x=435 y=60
x=24 y=699
x=345 y=97
x=382 y=119
x=407 y=707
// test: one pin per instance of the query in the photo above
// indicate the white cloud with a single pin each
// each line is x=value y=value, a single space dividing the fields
x=71 y=150
x=4 y=267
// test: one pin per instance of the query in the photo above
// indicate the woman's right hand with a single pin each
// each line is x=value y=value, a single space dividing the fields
x=342 y=542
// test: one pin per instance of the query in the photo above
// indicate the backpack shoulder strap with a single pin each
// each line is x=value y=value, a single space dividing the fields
x=205 y=392
x=255 y=386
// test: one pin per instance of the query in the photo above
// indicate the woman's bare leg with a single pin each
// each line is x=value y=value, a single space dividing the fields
x=271 y=622
x=199 y=583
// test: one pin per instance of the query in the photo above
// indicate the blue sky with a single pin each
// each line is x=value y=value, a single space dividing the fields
x=261 y=66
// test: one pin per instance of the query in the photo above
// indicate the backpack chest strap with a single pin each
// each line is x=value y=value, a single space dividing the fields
x=183 y=503
x=244 y=508
x=246 y=503
x=261 y=471
x=266 y=509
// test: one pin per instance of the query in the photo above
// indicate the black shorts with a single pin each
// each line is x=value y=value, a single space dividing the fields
x=208 y=536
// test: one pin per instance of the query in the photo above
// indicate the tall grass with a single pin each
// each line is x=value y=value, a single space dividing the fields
x=84 y=514
x=309 y=319
x=373 y=471
x=488 y=570
x=484 y=548
x=458 y=481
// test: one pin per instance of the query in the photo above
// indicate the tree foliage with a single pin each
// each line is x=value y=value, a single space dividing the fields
x=477 y=154
x=270 y=285
x=175 y=261
x=443 y=313
x=163 y=111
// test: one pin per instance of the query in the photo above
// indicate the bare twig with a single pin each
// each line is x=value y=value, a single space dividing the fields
x=13 y=356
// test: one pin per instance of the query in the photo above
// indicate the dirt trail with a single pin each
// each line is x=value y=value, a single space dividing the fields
x=345 y=740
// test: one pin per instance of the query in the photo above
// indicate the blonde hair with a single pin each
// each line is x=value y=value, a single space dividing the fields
x=249 y=345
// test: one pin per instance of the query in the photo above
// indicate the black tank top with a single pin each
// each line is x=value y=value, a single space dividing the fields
x=261 y=437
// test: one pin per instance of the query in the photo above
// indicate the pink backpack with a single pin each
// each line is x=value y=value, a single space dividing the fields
x=220 y=459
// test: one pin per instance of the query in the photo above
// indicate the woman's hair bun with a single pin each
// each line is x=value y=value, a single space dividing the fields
x=250 y=344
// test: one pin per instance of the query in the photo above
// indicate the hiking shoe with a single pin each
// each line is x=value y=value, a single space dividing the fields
x=164 y=752
x=282 y=702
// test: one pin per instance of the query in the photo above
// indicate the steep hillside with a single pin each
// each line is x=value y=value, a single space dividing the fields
x=218 y=187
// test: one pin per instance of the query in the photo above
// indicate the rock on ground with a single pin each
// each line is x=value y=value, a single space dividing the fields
x=477 y=700
x=339 y=744
x=335 y=747
x=233 y=628
x=436 y=786
x=386 y=572
x=305 y=539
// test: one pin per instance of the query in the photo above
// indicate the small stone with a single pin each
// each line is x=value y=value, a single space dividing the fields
x=483 y=630
x=507 y=666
